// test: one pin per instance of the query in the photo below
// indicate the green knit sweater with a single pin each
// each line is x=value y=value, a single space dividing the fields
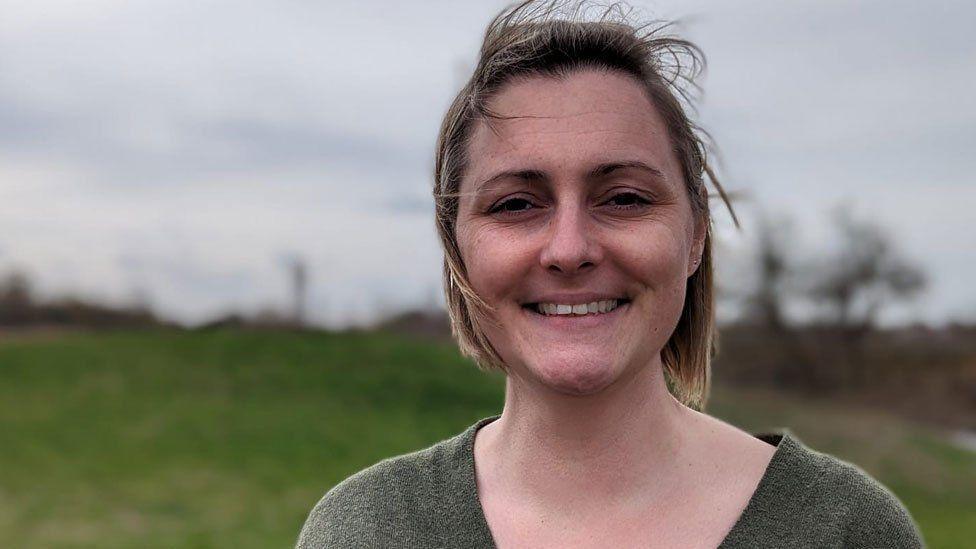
x=429 y=499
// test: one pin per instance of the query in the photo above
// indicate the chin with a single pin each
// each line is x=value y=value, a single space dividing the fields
x=579 y=376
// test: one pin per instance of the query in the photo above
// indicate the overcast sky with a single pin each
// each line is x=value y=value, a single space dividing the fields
x=184 y=150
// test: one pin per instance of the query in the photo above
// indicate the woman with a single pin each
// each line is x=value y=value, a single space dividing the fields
x=573 y=212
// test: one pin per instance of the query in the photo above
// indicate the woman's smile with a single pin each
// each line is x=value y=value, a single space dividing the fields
x=594 y=315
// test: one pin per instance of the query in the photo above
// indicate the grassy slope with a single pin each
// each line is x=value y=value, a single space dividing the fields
x=227 y=438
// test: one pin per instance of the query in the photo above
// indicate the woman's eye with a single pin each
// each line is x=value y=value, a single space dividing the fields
x=512 y=205
x=628 y=201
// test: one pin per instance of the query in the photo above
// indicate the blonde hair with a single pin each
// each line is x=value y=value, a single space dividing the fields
x=555 y=39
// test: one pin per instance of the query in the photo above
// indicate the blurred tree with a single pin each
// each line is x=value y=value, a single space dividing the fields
x=16 y=298
x=19 y=307
x=766 y=306
x=15 y=289
x=299 y=285
x=856 y=282
x=297 y=270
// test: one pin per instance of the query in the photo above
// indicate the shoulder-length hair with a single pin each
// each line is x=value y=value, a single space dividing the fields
x=553 y=39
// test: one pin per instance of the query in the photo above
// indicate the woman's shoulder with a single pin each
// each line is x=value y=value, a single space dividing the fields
x=874 y=515
x=827 y=500
x=393 y=502
x=361 y=506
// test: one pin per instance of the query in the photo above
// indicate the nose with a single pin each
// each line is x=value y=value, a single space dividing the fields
x=571 y=246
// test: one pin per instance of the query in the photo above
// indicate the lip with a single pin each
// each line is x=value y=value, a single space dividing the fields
x=573 y=322
x=574 y=299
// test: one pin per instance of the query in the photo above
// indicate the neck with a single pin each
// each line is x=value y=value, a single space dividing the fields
x=556 y=449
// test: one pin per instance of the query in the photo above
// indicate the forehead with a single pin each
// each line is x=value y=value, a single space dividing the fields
x=566 y=123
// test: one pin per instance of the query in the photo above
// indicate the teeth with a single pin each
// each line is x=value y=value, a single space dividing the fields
x=594 y=307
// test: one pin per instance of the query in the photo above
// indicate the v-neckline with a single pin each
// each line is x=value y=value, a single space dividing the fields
x=784 y=442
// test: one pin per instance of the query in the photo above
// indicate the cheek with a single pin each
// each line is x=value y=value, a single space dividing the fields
x=654 y=262
x=654 y=257
x=496 y=260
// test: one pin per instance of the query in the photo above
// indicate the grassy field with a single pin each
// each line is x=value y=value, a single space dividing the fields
x=227 y=438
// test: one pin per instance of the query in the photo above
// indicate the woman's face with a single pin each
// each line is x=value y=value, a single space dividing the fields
x=577 y=203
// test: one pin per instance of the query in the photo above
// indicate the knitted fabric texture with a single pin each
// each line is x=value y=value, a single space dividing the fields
x=429 y=499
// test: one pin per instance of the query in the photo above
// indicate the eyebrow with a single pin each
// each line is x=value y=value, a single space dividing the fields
x=604 y=170
x=526 y=175
x=598 y=172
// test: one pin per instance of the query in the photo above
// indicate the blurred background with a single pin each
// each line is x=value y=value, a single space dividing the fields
x=220 y=281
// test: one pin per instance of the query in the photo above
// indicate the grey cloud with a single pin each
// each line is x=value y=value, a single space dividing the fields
x=277 y=144
x=200 y=146
x=810 y=101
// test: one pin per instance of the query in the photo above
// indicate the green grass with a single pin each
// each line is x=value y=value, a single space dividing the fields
x=227 y=438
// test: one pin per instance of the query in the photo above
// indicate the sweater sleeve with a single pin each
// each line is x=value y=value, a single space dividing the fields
x=390 y=504
x=339 y=519
x=877 y=518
